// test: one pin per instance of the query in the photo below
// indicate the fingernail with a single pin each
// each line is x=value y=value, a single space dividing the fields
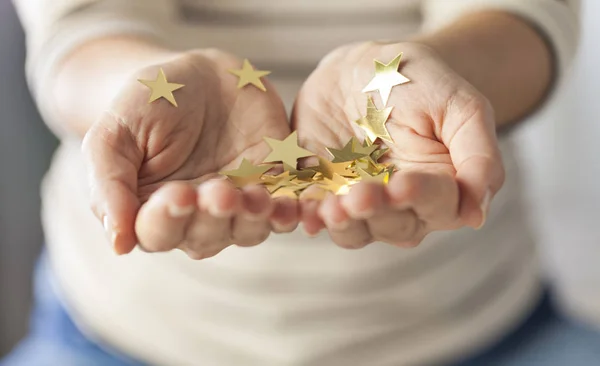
x=208 y=201
x=176 y=211
x=110 y=233
x=485 y=206
x=218 y=212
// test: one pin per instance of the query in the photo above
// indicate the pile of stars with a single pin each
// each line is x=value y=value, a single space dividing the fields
x=357 y=161
x=353 y=163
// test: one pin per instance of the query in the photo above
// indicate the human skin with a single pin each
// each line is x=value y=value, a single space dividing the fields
x=483 y=72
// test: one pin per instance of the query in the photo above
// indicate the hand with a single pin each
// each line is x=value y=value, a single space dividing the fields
x=146 y=161
x=444 y=146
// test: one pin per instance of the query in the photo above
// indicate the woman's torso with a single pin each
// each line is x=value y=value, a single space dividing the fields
x=292 y=300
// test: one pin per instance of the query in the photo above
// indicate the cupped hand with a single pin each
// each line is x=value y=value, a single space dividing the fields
x=153 y=166
x=444 y=146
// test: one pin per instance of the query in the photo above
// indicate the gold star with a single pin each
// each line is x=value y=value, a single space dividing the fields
x=248 y=75
x=347 y=153
x=382 y=177
x=367 y=165
x=291 y=186
x=328 y=169
x=274 y=182
x=365 y=149
x=286 y=151
x=287 y=191
x=337 y=184
x=247 y=173
x=386 y=77
x=161 y=88
x=374 y=122
x=377 y=154
x=304 y=174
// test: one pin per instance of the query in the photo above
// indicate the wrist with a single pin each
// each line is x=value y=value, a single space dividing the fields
x=98 y=70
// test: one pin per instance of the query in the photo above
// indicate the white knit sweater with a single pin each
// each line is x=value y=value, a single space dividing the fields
x=293 y=300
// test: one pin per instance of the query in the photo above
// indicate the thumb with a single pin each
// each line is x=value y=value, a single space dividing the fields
x=477 y=159
x=113 y=160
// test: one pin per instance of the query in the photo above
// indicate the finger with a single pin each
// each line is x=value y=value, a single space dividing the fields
x=311 y=222
x=475 y=154
x=433 y=197
x=162 y=221
x=252 y=226
x=285 y=216
x=343 y=230
x=363 y=200
x=210 y=230
x=396 y=227
x=113 y=160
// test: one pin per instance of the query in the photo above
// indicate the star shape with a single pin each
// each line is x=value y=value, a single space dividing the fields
x=287 y=151
x=337 y=184
x=382 y=177
x=328 y=169
x=366 y=148
x=374 y=122
x=367 y=165
x=304 y=174
x=247 y=173
x=247 y=75
x=161 y=88
x=347 y=153
x=386 y=77
x=377 y=154
x=287 y=191
x=274 y=182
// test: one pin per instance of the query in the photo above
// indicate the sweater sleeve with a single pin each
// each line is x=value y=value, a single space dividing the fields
x=556 y=20
x=54 y=28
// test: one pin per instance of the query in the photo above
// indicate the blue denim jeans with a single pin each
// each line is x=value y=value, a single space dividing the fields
x=545 y=339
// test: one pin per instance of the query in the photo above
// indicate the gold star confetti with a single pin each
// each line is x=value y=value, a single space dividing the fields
x=161 y=88
x=287 y=191
x=304 y=174
x=374 y=122
x=337 y=184
x=347 y=153
x=386 y=77
x=247 y=173
x=315 y=182
x=247 y=75
x=382 y=177
x=368 y=165
x=274 y=182
x=286 y=151
x=365 y=149
x=377 y=154
x=328 y=169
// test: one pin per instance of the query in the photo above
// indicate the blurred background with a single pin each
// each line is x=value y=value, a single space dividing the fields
x=560 y=149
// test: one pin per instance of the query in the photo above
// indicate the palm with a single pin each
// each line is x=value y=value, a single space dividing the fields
x=213 y=127
x=442 y=142
x=146 y=159
x=417 y=136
